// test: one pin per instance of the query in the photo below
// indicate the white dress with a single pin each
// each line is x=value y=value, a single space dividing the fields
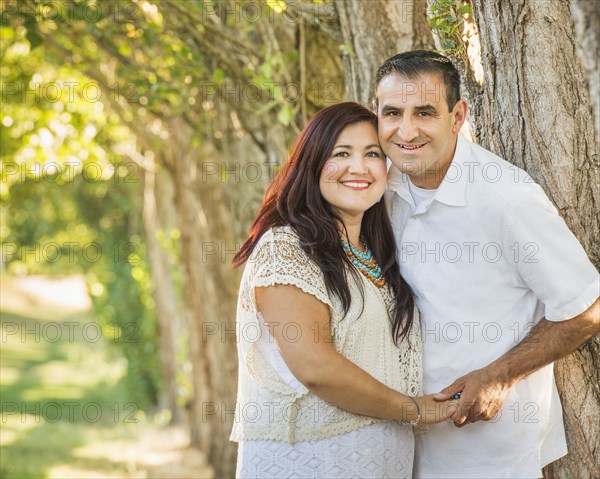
x=380 y=450
x=323 y=441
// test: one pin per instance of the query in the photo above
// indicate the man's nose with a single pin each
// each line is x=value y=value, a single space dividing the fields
x=407 y=129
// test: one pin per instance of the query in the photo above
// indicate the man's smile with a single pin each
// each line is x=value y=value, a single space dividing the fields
x=410 y=147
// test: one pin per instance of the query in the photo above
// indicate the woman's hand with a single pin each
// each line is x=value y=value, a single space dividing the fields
x=433 y=411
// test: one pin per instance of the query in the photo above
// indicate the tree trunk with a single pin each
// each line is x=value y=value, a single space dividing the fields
x=374 y=31
x=586 y=15
x=533 y=108
x=168 y=316
x=209 y=284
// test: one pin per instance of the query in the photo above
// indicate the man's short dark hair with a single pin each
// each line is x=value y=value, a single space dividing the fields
x=418 y=62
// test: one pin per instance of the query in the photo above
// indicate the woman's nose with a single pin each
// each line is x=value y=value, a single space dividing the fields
x=357 y=165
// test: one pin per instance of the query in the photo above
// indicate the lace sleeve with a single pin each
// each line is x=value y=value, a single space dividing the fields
x=279 y=259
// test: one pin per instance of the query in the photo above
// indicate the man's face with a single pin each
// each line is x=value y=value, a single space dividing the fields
x=416 y=130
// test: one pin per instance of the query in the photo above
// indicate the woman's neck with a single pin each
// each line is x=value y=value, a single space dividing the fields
x=353 y=230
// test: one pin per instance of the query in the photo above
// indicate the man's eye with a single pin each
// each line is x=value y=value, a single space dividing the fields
x=393 y=113
x=423 y=114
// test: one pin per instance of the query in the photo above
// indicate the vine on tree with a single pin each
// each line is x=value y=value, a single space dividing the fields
x=446 y=20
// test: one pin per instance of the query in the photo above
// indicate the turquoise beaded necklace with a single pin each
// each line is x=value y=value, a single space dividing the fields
x=365 y=263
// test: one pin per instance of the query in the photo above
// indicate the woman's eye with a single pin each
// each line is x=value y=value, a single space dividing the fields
x=341 y=153
x=374 y=154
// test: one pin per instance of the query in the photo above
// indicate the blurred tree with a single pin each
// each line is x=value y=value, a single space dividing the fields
x=70 y=203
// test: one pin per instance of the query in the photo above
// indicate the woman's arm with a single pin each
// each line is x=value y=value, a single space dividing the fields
x=311 y=358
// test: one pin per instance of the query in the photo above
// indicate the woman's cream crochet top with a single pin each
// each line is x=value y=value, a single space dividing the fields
x=267 y=407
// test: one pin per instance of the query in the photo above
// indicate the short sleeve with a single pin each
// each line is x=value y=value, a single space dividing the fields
x=549 y=259
x=279 y=259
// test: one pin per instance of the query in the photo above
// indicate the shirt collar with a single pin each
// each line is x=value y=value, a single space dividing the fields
x=398 y=183
x=452 y=189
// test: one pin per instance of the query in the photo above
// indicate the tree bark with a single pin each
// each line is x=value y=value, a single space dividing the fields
x=372 y=32
x=422 y=36
x=586 y=16
x=533 y=109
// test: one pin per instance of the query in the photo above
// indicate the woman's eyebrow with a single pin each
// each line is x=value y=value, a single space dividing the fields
x=350 y=146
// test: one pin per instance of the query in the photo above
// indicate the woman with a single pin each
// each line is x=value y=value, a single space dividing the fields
x=329 y=345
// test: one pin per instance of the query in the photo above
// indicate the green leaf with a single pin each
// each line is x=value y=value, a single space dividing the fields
x=346 y=49
x=443 y=25
x=266 y=70
x=286 y=114
x=32 y=37
x=433 y=23
x=464 y=10
x=277 y=6
x=218 y=75
x=265 y=108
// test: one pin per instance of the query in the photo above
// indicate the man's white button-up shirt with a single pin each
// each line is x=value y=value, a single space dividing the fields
x=487 y=258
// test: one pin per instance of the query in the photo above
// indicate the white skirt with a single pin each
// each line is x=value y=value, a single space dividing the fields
x=379 y=450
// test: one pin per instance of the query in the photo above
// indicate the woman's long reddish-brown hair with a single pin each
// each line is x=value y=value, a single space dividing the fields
x=294 y=198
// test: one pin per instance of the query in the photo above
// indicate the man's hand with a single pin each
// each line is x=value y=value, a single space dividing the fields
x=482 y=396
x=483 y=391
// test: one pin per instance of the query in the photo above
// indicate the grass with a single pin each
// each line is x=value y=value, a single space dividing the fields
x=65 y=411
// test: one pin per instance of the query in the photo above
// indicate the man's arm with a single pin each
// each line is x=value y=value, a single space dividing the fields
x=313 y=360
x=483 y=391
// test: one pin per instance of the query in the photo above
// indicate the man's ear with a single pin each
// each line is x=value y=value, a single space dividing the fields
x=459 y=113
x=375 y=105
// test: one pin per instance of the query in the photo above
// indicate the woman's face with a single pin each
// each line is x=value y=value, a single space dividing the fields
x=354 y=176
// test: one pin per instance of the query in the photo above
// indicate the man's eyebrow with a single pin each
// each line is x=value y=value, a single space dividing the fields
x=387 y=108
x=428 y=108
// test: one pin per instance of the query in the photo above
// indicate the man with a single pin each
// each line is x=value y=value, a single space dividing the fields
x=504 y=288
